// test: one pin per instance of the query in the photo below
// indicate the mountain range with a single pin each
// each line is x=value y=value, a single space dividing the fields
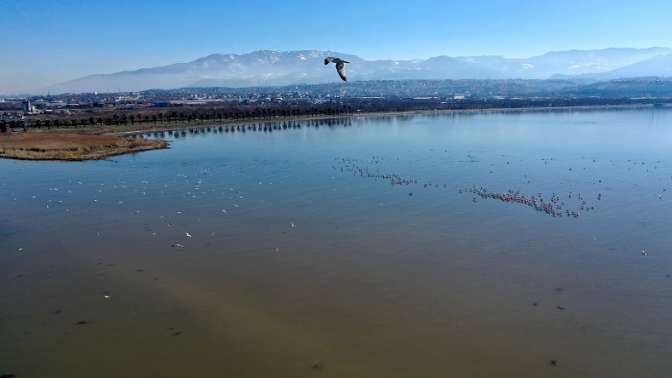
x=276 y=68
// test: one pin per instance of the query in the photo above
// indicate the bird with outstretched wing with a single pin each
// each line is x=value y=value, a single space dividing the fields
x=340 y=65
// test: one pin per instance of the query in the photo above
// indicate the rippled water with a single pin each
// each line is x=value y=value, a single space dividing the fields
x=349 y=248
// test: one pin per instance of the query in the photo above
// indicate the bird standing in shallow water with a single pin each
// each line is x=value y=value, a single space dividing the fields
x=340 y=65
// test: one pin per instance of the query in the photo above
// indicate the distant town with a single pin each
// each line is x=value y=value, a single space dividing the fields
x=216 y=103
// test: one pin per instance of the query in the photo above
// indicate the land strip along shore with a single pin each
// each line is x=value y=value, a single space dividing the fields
x=149 y=127
x=72 y=147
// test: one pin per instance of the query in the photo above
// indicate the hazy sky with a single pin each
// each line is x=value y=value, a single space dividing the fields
x=48 y=41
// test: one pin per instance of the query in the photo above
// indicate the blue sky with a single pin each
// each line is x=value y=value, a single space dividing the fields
x=44 y=42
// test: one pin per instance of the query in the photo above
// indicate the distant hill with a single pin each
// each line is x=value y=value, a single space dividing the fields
x=657 y=66
x=276 y=68
x=630 y=87
x=393 y=88
x=621 y=88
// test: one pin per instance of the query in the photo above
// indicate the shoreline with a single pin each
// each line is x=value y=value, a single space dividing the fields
x=72 y=147
x=204 y=123
x=94 y=143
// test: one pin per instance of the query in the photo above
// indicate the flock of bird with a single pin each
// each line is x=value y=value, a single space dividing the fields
x=552 y=207
x=556 y=206
x=353 y=166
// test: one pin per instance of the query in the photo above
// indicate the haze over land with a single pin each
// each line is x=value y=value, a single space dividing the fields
x=274 y=68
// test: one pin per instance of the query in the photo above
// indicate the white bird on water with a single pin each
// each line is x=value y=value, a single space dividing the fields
x=340 y=65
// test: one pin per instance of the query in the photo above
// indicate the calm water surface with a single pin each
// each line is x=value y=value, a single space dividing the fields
x=348 y=248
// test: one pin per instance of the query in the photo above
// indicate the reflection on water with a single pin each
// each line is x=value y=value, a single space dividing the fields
x=475 y=245
x=264 y=126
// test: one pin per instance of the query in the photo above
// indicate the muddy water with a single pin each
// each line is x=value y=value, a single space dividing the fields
x=348 y=248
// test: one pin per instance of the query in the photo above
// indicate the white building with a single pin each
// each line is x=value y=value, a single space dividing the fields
x=28 y=107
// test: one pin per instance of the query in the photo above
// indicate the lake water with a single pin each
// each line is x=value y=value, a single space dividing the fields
x=364 y=247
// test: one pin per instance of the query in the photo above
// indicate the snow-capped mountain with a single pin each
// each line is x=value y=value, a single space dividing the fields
x=659 y=66
x=266 y=68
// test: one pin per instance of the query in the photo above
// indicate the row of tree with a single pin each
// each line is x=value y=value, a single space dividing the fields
x=183 y=114
x=236 y=112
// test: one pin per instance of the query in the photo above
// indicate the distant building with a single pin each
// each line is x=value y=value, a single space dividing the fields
x=9 y=118
x=28 y=108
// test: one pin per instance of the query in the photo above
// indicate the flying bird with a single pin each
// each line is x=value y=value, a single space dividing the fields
x=340 y=65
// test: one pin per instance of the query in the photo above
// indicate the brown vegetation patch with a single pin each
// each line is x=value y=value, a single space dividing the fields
x=58 y=146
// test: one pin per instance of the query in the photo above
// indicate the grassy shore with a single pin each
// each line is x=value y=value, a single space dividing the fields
x=73 y=147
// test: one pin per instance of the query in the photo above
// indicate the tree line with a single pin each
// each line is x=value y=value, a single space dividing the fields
x=177 y=115
x=236 y=112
